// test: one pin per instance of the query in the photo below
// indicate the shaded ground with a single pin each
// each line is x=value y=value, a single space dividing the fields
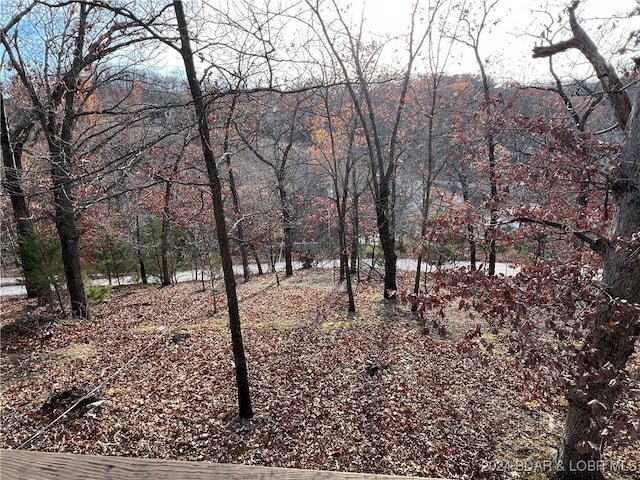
x=368 y=392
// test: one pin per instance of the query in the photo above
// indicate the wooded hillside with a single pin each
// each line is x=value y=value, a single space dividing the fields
x=238 y=141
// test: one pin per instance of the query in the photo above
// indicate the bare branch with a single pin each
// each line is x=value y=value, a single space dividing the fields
x=543 y=51
x=606 y=73
x=599 y=245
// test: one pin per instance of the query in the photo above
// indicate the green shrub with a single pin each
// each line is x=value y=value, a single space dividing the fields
x=114 y=259
x=97 y=293
x=41 y=258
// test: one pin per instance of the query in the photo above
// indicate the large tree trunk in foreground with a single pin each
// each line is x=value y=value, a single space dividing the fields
x=242 y=378
x=60 y=149
x=69 y=236
x=611 y=343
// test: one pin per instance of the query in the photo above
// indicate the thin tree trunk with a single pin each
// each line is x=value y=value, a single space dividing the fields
x=423 y=232
x=143 y=270
x=242 y=377
x=164 y=236
x=226 y=147
x=491 y=154
x=355 y=235
x=287 y=229
x=257 y=260
x=387 y=241
x=426 y=192
x=471 y=236
x=350 y=296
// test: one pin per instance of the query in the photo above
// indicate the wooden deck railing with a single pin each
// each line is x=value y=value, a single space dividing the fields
x=30 y=465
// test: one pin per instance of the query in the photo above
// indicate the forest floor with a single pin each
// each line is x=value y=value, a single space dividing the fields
x=367 y=392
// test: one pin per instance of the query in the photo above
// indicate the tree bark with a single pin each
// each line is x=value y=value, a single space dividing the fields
x=610 y=344
x=242 y=378
x=164 y=236
x=12 y=147
x=226 y=151
x=471 y=234
x=257 y=260
x=355 y=232
x=68 y=232
x=423 y=232
x=387 y=241
x=287 y=228
x=60 y=148
x=141 y=265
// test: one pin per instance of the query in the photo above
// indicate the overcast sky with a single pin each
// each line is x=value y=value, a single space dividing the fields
x=508 y=45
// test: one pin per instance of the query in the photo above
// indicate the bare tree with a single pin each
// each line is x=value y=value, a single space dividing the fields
x=337 y=151
x=242 y=379
x=227 y=154
x=275 y=148
x=437 y=56
x=472 y=40
x=80 y=35
x=382 y=152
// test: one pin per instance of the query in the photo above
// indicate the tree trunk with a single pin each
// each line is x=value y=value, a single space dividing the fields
x=355 y=234
x=423 y=232
x=69 y=240
x=65 y=212
x=12 y=144
x=226 y=151
x=60 y=142
x=244 y=256
x=388 y=243
x=257 y=260
x=611 y=343
x=287 y=229
x=143 y=270
x=164 y=237
x=242 y=378
x=471 y=236
x=342 y=274
x=426 y=188
x=341 y=208
x=491 y=154
x=350 y=296
x=472 y=247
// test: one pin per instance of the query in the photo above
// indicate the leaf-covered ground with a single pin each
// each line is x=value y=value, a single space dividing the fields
x=369 y=392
